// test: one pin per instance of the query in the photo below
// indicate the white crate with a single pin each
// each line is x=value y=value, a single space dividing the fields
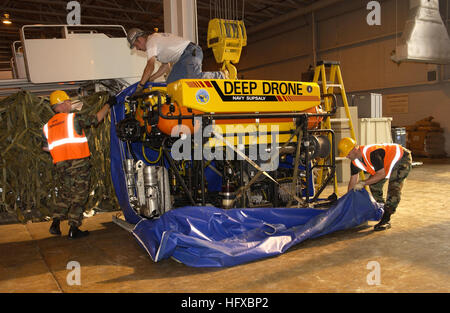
x=374 y=130
x=370 y=131
x=341 y=115
x=343 y=171
x=341 y=129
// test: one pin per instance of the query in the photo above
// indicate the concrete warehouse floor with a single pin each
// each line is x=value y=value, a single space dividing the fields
x=414 y=255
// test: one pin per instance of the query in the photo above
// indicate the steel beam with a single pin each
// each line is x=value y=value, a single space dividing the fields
x=88 y=17
x=120 y=8
x=292 y=15
x=11 y=86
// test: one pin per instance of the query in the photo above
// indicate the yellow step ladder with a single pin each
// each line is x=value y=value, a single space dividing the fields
x=328 y=86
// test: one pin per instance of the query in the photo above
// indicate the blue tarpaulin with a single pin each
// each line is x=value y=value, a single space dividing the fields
x=212 y=237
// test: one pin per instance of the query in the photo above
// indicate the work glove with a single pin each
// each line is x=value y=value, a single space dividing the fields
x=359 y=186
x=112 y=101
x=139 y=90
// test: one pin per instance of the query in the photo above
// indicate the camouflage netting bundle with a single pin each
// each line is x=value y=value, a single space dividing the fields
x=28 y=187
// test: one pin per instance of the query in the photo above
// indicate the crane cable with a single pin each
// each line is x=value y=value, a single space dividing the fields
x=226 y=9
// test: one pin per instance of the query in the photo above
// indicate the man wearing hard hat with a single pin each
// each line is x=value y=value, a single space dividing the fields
x=64 y=138
x=185 y=56
x=384 y=162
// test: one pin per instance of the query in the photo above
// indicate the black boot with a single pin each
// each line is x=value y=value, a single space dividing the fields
x=54 y=228
x=384 y=223
x=75 y=232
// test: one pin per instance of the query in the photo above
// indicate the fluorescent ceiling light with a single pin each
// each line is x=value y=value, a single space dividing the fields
x=6 y=20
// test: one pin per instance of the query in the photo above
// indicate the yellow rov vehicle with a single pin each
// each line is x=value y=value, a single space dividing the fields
x=227 y=142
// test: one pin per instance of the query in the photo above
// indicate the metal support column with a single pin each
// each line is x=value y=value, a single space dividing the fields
x=180 y=18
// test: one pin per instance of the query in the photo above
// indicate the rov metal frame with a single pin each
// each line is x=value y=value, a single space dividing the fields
x=302 y=122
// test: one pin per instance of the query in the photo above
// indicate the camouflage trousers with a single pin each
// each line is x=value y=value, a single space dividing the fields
x=73 y=192
x=398 y=175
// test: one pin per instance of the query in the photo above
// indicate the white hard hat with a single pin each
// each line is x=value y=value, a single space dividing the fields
x=133 y=34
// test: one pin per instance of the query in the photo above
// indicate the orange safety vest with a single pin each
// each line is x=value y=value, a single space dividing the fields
x=393 y=153
x=63 y=141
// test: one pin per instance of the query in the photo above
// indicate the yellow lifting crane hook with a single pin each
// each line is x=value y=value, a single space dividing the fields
x=226 y=38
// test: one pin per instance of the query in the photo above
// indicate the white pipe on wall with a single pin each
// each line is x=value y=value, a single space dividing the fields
x=313 y=25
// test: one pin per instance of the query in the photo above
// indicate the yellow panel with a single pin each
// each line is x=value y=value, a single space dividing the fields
x=247 y=140
x=156 y=88
x=239 y=96
x=264 y=136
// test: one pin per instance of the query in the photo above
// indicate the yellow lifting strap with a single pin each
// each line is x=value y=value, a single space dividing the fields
x=226 y=38
x=328 y=87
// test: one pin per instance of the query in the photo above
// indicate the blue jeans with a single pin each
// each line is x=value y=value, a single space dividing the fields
x=190 y=66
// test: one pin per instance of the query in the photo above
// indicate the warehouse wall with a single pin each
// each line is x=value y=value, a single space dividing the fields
x=342 y=33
